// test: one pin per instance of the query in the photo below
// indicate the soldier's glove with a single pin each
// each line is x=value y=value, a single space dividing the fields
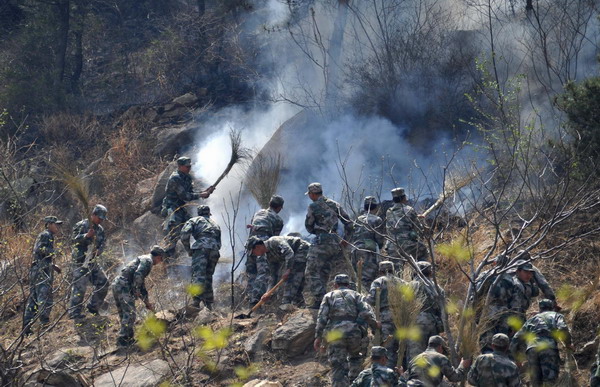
x=57 y=269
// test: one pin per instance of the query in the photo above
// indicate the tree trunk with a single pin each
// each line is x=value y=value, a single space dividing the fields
x=78 y=27
x=62 y=36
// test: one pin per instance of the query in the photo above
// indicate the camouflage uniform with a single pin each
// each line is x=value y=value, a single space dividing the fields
x=430 y=367
x=542 y=349
x=343 y=310
x=92 y=273
x=204 y=252
x=283 y=253
x=429 y=319
x=595 y=371
x=388 y=329
x=495 y=368
x=377 y=375
x=41 y=277
x=265 y=224
x=125 y=288
x=179 y=191
x=367 y=235
x=322 y=220
x=403 y=228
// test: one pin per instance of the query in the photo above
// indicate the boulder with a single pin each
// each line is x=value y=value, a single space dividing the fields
x=147 y=230
x=296 y=334
x=205 y=317
x=168 y=316
x=255 y=344
x=159 y=187
x=188 y=99
x=147 y=374
x=144 y=191
x=54 y=378
x=68 y=357
x=262 y=383
x=172 y=141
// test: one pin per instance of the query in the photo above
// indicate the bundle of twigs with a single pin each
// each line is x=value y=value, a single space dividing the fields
x=263 y=176
x=405 y=305
x=469 y=332
x=77 y=186
x=451 y=187
x=238 y=154
x=567 y=377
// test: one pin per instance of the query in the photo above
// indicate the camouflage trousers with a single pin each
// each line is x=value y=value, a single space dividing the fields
x=292 y=288
x=40 y=300
x=173 y=225
x=257 y=270
x=429 y=325
x=345 y=358
x=319 y=261
x=543 y=366
x=370 y=266
x=388 y=337
x=125 y=301
x=81 y=276
x=204 y=262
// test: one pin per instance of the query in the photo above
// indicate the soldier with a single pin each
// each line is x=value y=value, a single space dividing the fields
x=388 y=329
x=341 y=312
x=540 y=333
x=495 y=368
x=129 y=286
x=431 y=366
x=41 y=276
x=86 y=267
x=403 y=229
x=367 y=237
x=204 y=252
x=265 y=224
x=179 y=190
x=378 y=374
x=429 y=319
x=284 y=254
x=322 y=220
x=509 y=298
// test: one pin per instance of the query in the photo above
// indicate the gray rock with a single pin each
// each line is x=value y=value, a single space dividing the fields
x=53 y=378
x=159 y=188
x=146 y=230
x=296 y=334
x=67 y=357
x=147 y=374
x=172 y=141
x=144 y=191
x=262 y=383
x=205 y=317
x=255 y=343
x=188 y=99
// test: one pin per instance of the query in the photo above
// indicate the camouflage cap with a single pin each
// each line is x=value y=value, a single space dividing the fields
x=184 y=160
x=203 y=210
x=100 y=211
x=398 y=192
x=52 y=219
x=157 y=250
x=436 y=341
x=276 y=201
x=386 y=266
x=378 y=351
x=342 y=279
x=252 y=242
x=314 y=188
x=500 y=340
x=294 y=234
x=370 y=201
x=524 y=265
x=546 y=304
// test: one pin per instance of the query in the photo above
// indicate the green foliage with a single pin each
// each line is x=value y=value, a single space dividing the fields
x=150 y=331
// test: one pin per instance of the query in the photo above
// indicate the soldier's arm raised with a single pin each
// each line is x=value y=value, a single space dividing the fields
x=455 y=375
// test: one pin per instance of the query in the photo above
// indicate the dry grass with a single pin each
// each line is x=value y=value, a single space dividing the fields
x=263 y=176
x=405 y=306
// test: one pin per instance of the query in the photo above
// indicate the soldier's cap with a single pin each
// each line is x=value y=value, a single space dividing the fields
x=100 y=211
x=276 y=201
x=157 y=250
x=436 y=341
x=546 y=304
x=524 y=265
x=294 y=234
x=370 y=201
x=378 y=352
x=314 y=188
x=252 y=242
x=52 y=219
x=385 y=266
x=500 y=340
x=342 y=279
x=203 y=210
x=184 y=160
x=398 y=192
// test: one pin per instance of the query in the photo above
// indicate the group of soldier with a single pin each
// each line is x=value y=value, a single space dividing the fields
x=378 y=253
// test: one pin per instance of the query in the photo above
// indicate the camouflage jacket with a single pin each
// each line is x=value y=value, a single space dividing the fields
x=284 y=249
x=206 y=233
x=487 y=277
x=323 y=216
x=368 y=232
x=377 y=375
x=179 y=190
x=427 y=294
x=266 y=223
x=494 y=369
x=80 y=243
x=402 y=223
x=509 y=295
x=430 y=367
x=43 y=252
x=133 y=276
x=343 y=309
x=382 y=282
x=546 y=327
